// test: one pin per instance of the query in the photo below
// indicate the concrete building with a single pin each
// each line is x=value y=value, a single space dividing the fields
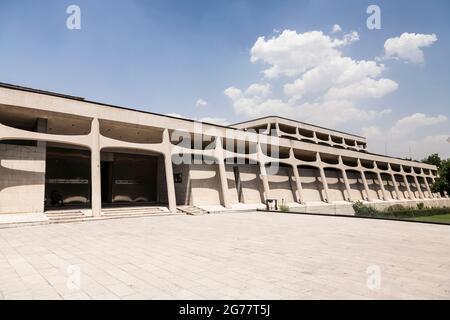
x=65 y=152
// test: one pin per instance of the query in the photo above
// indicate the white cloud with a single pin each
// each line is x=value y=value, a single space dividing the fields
x=372 y=131
x=408 y=46
x=364 y=89
x=326 y=87
x=410 y=123
x=201 y=103
x=337 y=72
x=257 y=89
x=431 y=144
x=336 y=28
x=292 y=53
x=404 y=138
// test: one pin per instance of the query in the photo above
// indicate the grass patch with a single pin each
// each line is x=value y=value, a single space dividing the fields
x=419 y=213
x=441 y=218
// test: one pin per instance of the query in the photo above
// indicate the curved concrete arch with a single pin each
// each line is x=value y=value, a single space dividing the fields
x=10 y=133
x=105 y=142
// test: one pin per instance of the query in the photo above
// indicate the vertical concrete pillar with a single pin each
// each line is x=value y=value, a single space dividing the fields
x=41 y=126
x=419 y=188
x=269 y=126
x=323 y=177
x=366 y=186
x=171 y=196
x=299 y=194
x=324 y=183
x=364 y=180
x=411 y=195
x=222 y=172
x=96 y=186
x=297 y=133
x=430 y=194
x=263 y=173
x=277 y=127
x=397 y=190
x=316 y=140
x=383 y=189
x=347 y=185
x=265 y=181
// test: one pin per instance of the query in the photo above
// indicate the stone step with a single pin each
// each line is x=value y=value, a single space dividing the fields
x=136 y=213
x=65 y=216
x=68 y=220
x=136 y=209
x=192 y=210
x=56 y=216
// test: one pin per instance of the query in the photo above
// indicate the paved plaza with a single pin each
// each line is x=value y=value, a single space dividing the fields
x=226 y=256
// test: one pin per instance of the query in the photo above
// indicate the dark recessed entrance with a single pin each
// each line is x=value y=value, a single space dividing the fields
x=131 y=179
x=67 y=182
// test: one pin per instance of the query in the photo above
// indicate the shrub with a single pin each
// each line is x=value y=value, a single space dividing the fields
x=284 y=208
x=420 y=206
x=364 y=210
x=396 y=207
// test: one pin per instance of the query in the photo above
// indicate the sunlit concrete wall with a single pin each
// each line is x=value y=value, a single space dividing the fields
x=22 y=178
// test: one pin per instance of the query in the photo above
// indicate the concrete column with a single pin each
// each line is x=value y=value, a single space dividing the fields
x=299 y=194
x=397 y=190
x=383 y=189
x=366 y=186
x=269 y=125
x=411 y=195
x=323 y=177
x=222 y=173
x=297 y=133
x=347 y=185
x=171 y=196
x=345 y=177
x=265 y=181
x=277 y=127
x=96 y=186
x=364 y=180
x=41 y=126
x=430 y=194
x=316 y=140
x=419 y=188
x=263 y=173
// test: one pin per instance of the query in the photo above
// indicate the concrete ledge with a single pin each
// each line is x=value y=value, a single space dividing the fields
x=346 y=208
x=22 y=219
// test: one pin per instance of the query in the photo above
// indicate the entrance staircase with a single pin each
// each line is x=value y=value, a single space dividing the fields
x=192 y=210
x=66 y=216
x=128 y=212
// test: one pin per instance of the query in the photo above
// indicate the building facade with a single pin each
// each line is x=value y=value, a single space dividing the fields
x=60 y=151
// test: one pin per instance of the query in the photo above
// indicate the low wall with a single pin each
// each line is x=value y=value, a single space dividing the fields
x=22 y=183
x=347 y=208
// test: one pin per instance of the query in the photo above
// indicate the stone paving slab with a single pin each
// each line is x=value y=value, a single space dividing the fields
x=226 y=256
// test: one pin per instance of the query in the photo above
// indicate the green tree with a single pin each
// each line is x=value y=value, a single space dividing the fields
x=443 y=182
x=433 y=159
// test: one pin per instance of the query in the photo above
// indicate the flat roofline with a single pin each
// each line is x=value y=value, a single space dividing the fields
x=80 y=99
x=309 y=124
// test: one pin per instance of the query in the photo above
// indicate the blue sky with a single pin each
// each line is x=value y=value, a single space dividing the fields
x=163 y=56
